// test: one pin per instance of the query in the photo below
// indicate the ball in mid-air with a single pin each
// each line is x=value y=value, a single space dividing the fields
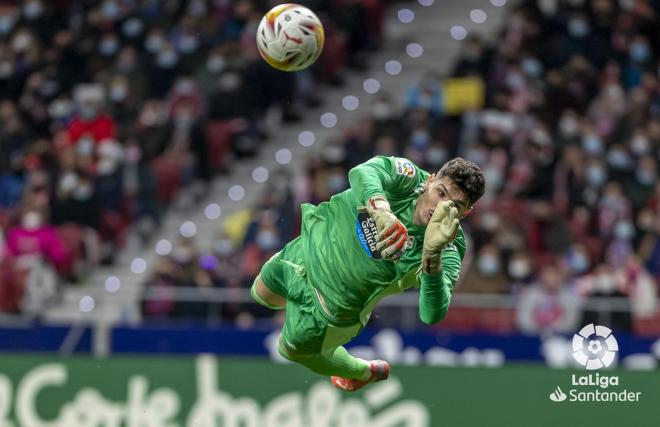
x=290 y=37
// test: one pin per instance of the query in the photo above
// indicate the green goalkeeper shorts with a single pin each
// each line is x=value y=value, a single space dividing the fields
x=308 y=327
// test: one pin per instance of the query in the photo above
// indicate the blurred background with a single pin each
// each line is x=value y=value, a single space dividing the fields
x=151 y=162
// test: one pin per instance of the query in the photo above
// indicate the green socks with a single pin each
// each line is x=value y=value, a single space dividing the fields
x=339 y=363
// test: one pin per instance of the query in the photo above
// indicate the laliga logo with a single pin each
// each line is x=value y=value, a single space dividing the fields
x=594 y=347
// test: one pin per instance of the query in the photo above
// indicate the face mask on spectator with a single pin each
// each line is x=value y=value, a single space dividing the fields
x=515 y=80
x=107 y=166
x=21 y=42
x=223 y=247
x=596 y=175
x=592 y=144
x=578 y=262
x=183 y=121
x=267 y=239
x=33 y=9
x=60 y=109
x=230 y=81
x=436 y=156
x=68 y=182
x=132 y=27
x=31 y=220
x=118 y=92
x=476 y=156
x=215 y=64
x=519 y=269
x=639 y=51
x=646 y=220
x=197 y=8
x=336 y=183
x=6 y=69
x=624 y=230
x=627 y=4
x=109 y=46
x=110 y=10
x=85 y=146
x=132 y=154
x=7 y=24
x=188 y=44
x=382 y=110
x=618 y=159
x=87 y=112
x=488 y=265
x=646 y=177
x=185 y=87
x=426 y=100
x=419 y=139
x=183 y=255
x=604 y=283
x=83 y=191
x=532 y=67
x=640 y=145
x=568 y=126
x=578 y=28
x=153 y=43
x=167 y=59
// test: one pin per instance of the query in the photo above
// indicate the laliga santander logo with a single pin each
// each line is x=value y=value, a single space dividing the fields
x=594 y=347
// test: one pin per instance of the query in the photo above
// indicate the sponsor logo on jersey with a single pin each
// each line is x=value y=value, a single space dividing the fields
x=405 y=167
x=367 y=233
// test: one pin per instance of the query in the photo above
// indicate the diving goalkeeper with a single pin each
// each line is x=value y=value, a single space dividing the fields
x=395 y=228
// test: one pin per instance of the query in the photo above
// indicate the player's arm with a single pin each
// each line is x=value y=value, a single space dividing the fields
x=372 y=182
x=441 y=263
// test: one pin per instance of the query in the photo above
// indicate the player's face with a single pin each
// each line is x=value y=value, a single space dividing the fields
x=436 y=190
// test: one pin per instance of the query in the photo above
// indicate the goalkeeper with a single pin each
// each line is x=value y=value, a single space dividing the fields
x=397 y=227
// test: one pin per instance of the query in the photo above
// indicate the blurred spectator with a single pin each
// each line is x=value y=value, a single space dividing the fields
x=605 y=281
x=486 y=275
x=548 y=306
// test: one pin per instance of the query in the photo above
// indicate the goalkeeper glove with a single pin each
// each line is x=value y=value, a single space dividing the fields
x=392 y=234
x=441 y=230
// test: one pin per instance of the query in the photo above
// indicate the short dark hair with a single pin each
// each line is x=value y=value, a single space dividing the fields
x=467 y=176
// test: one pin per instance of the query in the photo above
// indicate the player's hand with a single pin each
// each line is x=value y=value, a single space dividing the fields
x=392 y=234
x=442 y=227
x=441 y=230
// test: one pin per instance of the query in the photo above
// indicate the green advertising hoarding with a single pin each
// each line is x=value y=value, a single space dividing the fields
x=210 y=392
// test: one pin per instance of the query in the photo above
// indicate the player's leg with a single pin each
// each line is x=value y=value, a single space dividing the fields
x=262 y=294
x=308 y=339
x=337 y=363
x=269 y=287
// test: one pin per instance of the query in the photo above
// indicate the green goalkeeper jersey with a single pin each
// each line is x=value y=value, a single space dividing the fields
x=339 y=243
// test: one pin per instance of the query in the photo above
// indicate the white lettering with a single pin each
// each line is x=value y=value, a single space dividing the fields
x=213 y=404
x=284 y=411
x=595 y=380
x=322 y=405
x=6 y=397
x=604 y=396
x=26 y=397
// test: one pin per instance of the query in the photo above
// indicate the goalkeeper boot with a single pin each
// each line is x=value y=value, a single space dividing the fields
x=380 y=370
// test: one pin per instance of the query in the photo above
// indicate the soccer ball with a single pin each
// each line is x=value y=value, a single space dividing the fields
x=290 y=37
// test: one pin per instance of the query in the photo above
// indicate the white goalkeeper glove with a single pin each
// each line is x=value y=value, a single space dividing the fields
x=441 y=230
x=392 y=234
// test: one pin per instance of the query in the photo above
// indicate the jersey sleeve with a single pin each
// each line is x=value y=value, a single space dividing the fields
x=436 y=290
x=386 y=176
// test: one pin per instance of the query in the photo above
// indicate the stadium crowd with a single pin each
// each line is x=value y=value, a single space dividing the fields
x=569 y=141
x=109 y=108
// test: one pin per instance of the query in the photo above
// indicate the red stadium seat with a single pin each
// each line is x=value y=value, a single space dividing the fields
x=218 y=141
x=169 y=175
